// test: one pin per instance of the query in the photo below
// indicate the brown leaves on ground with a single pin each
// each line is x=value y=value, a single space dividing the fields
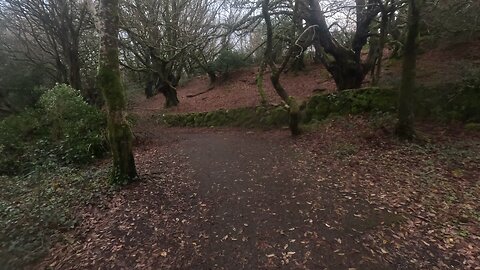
x=435 y=187
x=345 y=196
x=239 y=90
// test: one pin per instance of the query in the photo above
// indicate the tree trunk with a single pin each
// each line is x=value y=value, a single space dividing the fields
x=405 y=128
x=109 y=82
x=260 y=87
x=212 y=77
x=165 y=79
x=149 y=89
x=170 y=93
x=294 y=111
x=298 y=63
x=347 y=76
x=377 y=69
x=344 y=64
x=74 y=77
x=166 y=85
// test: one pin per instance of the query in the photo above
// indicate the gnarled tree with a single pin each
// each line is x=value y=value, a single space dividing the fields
x=344 y=60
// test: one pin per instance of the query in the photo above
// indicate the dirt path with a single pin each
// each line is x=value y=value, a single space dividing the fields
x=266 y=208
x=331 y=199
x=224 y=200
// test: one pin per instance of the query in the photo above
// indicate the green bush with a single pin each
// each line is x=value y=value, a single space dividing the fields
x=61 y=128
x=75 y=126
x=227 y=61
x=455 y=101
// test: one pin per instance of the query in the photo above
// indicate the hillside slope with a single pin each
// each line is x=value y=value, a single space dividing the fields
x=438 y=66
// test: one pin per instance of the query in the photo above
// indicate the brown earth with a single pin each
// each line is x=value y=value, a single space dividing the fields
x=445 y=63
x=240 y=90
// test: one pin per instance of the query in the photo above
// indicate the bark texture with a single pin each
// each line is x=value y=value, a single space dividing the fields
x=109 y=82
x=405 y=126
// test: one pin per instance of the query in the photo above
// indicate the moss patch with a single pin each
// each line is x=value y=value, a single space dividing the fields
x=472 y=126
x=274 y=116
x=356 y=101
x=446 y=103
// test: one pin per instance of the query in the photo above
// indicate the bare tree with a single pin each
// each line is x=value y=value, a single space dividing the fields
x=163 y=37
x=49 y=31
x=344 y=60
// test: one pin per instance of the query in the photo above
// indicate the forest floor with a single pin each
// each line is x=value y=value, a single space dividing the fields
x=344 y=195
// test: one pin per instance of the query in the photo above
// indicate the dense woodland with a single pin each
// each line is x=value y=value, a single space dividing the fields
x=129 y=128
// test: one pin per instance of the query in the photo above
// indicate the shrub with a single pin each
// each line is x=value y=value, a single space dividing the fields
x=75 y=127
x=61 y=128
x=227 y=61
x=454 y=101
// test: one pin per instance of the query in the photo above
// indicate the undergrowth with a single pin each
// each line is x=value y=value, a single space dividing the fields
x=38 y=208
x=41 y=153
x=61 y=129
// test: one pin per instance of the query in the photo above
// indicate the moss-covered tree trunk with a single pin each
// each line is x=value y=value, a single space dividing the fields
x=260 y=86
x=405 y=128
x=75 y=78
x=109 y=82
x=377 y=69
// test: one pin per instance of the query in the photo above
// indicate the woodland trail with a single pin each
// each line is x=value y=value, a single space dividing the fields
x=225 y=199
x=266 y=207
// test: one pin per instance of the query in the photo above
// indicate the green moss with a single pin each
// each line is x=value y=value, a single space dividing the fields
x=110 y=84
x=242 y=117
x=473 y=126
x=209 y=117
x=199 y=120
x=317 y=108
x=189 y=120
x=278 y=116
x=446 y=103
